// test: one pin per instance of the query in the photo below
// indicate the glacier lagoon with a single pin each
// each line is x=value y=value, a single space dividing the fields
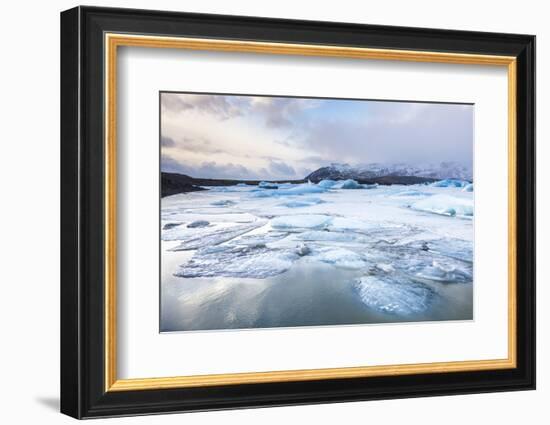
x=332 y=253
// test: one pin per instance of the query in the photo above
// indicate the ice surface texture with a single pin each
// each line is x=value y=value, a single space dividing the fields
x=398 y=246
x=302 y=221
x=238 y=261
x=450 y=183
x=389 y=296
x=446 y=205
x=216 y=237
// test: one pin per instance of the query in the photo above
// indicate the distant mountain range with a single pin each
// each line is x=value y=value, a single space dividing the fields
x=444 y=170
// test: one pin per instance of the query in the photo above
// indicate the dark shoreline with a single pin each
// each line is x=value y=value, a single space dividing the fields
x=174 y=183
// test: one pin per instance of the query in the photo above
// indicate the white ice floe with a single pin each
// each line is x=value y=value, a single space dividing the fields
x=351 y=223
x=446 y=271
x=301 y=221
x=338 y=257
x=302 y=202
x=387 y=295
x=327 y=236
x=216 y=237
x=238 y=261
x=259 y=240
x=446 y=205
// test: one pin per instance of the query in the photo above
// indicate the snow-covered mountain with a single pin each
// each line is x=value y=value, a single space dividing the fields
x=444 y=170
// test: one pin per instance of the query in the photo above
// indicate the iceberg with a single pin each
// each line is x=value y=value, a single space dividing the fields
x=446 y=205
x=301 y=221
x=268 y=185
x=326 y=184
x=450 y=183
x=385 y=294
x=303 y=189
x=241 y=262
x=468 y=188
x=348 y=184
x=216 y=237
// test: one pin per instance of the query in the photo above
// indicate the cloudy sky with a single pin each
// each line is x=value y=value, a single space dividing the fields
x=255 y=137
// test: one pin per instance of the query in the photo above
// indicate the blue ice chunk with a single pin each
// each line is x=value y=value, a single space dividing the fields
x=348 y=184
x=268 y=185
x=450 y=183
x=326 y=184
x=302 y=202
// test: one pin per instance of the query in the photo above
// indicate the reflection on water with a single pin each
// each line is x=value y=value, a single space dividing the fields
x=306 y=295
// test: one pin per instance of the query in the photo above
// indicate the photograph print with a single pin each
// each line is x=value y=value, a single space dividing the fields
x=282 y=211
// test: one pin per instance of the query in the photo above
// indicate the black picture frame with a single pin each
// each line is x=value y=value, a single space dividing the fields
x=83 y=392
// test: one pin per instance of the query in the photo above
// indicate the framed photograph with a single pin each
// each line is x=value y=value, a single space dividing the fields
x=261 y=212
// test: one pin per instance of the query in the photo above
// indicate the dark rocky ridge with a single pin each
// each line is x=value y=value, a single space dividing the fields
x=173 y=183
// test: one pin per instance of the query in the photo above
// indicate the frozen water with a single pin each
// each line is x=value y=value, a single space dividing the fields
x=339 y=257
x=302 y=189
x=370 y=256
x=302 y=202
x=446 y=205
x=216 y=237
x=326 y=184
x=453 y=248
x=326 y=236
x=231 y=261
x=268 y=185
x=415 y=193
x=223 y=203
x=468 y=188
x=348 y=184
x=169 y=226
x=289 y=190
x=198 y=223
x=389 y=296
x=301 y=221
x=446 y=271
x=261 y=239
x=450 y=183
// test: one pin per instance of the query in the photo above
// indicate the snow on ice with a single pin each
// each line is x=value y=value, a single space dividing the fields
x=401 y=243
